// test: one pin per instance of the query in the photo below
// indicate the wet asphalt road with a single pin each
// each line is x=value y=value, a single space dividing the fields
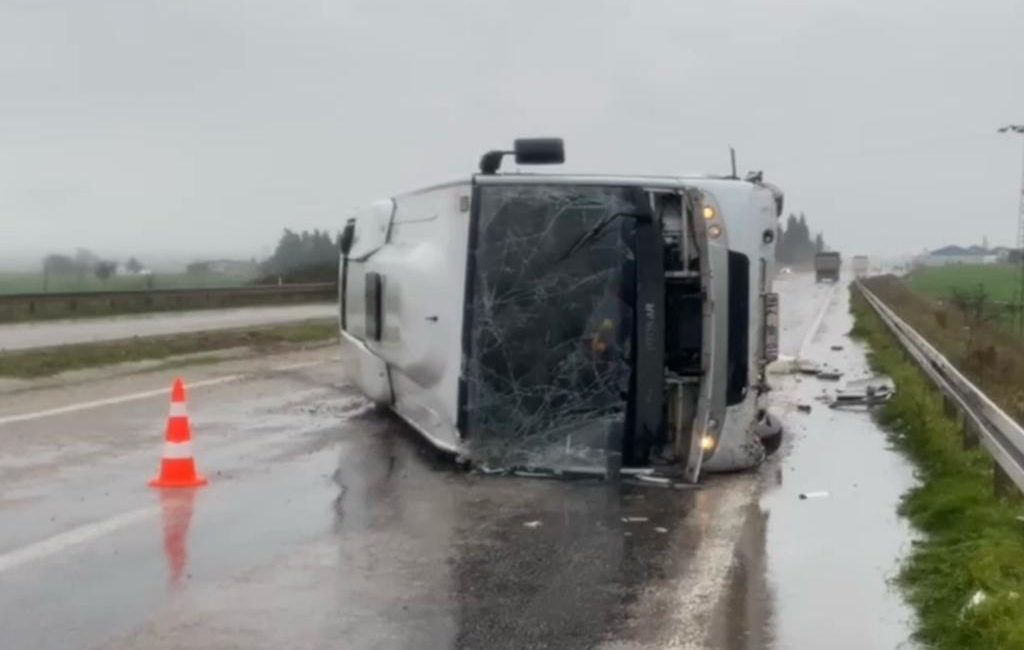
x=830 y=561
x=24 y=336
x=328 y=525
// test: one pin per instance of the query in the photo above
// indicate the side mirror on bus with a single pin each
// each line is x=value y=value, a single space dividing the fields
x=348 y=235
x=539 y=151
x=528 y=151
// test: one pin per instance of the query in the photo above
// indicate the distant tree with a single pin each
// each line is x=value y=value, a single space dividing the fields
x=803 y=232
x=58 y=265
x=85 y=262
x=133 y=265
x=794 y=245
x=103 y=270
x=303 y=256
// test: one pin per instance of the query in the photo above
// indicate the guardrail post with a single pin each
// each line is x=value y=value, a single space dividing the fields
x=949 y=408
x=1002 y=484
x=969 y=433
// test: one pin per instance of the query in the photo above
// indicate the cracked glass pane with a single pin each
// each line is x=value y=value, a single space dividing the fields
x=549 y=366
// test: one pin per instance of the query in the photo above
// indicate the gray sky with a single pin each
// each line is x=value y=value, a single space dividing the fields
x=206 y=126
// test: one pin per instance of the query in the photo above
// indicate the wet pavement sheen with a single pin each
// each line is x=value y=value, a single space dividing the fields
x=830 y=559
x=329 y=525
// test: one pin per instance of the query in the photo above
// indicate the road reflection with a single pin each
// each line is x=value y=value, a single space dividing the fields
x=446 y=559
x=176 y=507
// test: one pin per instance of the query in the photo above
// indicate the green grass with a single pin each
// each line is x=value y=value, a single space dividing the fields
x=41 y=363
x=34 y=283
x=999 y=280
x=971 y=538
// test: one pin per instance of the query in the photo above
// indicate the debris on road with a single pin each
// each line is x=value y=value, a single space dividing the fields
x=803 y=408
x=659 y=529
x=814 y=495
x=634 y=520
x=837 y=348
x=805 y=367
x=658 y=480
x=784 y=365
x=865 y=392
x=830 y=374
x=532 y=524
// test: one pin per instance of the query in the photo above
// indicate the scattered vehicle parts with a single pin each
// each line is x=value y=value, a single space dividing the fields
x=658 y=480
x=865 y=392
x=806 y=367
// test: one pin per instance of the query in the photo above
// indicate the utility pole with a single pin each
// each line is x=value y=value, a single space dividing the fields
x=1019 y=295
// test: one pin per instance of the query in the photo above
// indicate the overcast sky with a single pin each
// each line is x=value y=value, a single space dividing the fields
x=206 y=126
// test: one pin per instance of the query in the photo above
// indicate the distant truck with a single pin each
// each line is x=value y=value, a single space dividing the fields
x=826 y=267
x=861 y=266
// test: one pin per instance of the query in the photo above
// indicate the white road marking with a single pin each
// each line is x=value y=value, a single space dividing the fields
x=74 y=537
x=131 y=397
x=816 y=325
x=120 y=399
x=701 y=587
x=298 y=366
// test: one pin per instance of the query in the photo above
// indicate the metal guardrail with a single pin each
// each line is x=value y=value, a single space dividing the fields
x=997 y=432
x=29 y=306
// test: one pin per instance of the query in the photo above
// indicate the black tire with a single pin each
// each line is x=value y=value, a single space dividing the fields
x=772 y=443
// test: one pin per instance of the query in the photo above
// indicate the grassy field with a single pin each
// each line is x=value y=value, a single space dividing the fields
x=50 y=361
x=34 y=282
x=972 y=540
x=991 y=356
x=999 y=280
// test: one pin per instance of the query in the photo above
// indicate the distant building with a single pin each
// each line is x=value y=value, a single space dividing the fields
x=959 y=255
x=223 y=267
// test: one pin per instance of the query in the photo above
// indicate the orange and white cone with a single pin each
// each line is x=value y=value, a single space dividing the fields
x=178 y=467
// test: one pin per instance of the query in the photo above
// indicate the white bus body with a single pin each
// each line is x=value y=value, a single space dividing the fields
x=563 y=322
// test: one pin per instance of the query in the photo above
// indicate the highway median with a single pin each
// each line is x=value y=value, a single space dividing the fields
x=44 y=362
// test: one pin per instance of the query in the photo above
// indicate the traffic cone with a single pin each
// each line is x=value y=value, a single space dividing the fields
x=178 y=468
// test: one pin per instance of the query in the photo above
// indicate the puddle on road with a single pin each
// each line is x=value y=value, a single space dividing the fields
x=830 y=561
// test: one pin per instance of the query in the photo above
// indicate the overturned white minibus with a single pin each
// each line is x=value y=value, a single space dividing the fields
x=569 y=323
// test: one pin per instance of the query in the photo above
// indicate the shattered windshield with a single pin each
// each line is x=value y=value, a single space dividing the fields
x=551 y=313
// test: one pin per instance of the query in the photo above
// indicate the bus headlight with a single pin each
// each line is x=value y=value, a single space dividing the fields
x=714 y=231
x=707 y=443
x=708 y=212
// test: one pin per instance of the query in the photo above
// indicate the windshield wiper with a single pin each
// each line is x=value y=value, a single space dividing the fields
x=595 y=231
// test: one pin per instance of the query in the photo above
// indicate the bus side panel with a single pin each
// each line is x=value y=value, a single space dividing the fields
x=426 y=261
